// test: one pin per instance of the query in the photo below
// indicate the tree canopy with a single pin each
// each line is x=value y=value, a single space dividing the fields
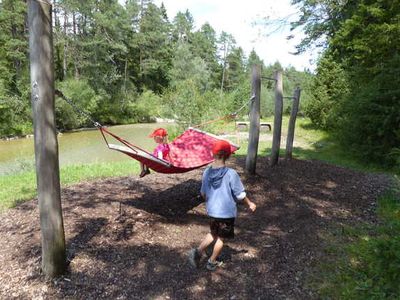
x=124 y=64
x=355 y=91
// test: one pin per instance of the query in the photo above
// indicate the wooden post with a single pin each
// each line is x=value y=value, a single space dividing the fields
x=276 y=139
x=254 y=128
x=292 y=123
x=46 y=146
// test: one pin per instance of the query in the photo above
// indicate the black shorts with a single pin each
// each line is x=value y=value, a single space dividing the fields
x=224 y=228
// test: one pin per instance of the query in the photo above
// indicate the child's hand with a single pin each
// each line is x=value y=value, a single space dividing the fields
x=252 y=206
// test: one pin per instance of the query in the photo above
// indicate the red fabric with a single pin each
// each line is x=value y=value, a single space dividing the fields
x=223 y=146
x=164 y=149
x=159 y=132
x=189 y=151
x=193 y=149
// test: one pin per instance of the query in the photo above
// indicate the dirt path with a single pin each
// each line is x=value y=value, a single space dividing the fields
x=141 y=253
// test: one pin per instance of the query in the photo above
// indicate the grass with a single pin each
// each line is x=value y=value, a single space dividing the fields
x=364 y=262
x=19 y=187
x=309 y=144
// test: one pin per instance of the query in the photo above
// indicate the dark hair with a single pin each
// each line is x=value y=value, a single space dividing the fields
x=222 y=155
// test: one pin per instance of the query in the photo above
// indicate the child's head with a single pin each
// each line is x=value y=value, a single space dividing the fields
x=221 y=150
x=159 y=135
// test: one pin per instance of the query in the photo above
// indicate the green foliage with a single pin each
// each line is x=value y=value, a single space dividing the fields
x=83 y=96
x=188 y=67
x=371 y=119
x=328 y=89
x=362 y=47
x=149 y=106
x=117 y=61
x=186 y=104
x=14 y=81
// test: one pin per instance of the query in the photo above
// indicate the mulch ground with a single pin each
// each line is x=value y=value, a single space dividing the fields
x=128 y=238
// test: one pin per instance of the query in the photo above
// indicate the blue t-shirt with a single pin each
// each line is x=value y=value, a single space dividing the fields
x=222 y=187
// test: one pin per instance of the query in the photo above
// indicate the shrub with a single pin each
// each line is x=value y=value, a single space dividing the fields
x=84 y=97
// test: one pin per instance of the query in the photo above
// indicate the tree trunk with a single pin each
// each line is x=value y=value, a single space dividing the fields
x=46 y=146
x=292 y=124
x=276 y=140
x=65 y=44
x=254 y=132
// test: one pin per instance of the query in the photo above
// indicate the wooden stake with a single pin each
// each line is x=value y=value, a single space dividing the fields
x=276 y=139
x=46 y=146
x=254 y=130
x=292 y=123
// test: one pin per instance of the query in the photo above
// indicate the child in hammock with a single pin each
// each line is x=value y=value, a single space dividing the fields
x=160 y=136
x=222 y=189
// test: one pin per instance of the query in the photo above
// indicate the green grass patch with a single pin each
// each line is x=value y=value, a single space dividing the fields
x=364 y=262
x=19 y=187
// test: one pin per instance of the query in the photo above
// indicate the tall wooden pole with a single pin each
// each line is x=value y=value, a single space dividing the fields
x=276 y=139
x=292 y=123
x=46 y=146
x=254 y=132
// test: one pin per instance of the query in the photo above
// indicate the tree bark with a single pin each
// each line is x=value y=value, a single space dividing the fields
x=254 y=132
x=46 y=146
x=292 y=124
x=65 y=44
x=276 y=139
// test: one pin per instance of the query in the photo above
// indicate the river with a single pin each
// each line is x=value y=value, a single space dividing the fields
x=75 y=147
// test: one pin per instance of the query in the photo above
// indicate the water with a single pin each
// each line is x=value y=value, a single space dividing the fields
x=75 y=147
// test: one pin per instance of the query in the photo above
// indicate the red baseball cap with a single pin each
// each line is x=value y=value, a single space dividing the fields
x=159 y=132
x=221 y=146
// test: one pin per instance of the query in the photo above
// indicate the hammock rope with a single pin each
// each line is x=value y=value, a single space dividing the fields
x=228 y=116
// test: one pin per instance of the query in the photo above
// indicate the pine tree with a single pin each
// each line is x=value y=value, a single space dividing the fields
x=156 y=48
x=14 y=69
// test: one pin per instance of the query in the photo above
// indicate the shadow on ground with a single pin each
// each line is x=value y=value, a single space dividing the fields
x=128 y=238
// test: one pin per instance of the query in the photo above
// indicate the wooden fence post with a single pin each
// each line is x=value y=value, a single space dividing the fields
x=254 y=130
x=276 y=139
x=292 y=123
x=46 y=145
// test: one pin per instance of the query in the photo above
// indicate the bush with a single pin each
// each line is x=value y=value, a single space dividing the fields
x=83 y=96
x=328 y=88
x=370 y=117
x=149 y=106
x=15 y=115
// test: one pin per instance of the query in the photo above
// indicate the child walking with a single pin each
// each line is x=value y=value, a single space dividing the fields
x=160 y=136
x=221 y=188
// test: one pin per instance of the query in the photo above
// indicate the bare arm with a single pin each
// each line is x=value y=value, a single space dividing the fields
x=250 y=204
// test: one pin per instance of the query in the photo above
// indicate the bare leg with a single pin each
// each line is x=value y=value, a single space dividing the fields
x=205 y=243
x=145 y=170
x=217 y=249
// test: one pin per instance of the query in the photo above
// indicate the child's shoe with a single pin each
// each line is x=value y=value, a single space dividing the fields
x=211 y=266
x=144 y=173
x=194 y=258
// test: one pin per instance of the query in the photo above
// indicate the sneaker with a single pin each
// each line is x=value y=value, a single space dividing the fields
x=211 y=266
x=194 y=258
x=144 y=173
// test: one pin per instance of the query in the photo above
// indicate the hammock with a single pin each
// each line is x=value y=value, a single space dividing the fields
x=189 y=151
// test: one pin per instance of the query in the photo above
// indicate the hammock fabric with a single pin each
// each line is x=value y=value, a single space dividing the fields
x=189 y=151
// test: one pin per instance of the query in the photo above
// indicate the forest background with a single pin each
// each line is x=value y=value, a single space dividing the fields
x=130 y=63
